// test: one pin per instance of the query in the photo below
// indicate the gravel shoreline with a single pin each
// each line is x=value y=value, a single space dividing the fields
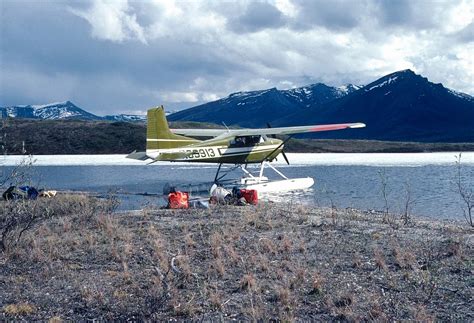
x=272 y=261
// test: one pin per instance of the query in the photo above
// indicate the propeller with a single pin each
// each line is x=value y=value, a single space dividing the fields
x=282 y=152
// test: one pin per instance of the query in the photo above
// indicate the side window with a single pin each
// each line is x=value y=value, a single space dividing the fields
x=237 y=142
x=245 y=141
x=255 y=140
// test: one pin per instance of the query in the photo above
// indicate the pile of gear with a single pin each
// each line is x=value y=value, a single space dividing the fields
x=219 y=195
x=26 y=193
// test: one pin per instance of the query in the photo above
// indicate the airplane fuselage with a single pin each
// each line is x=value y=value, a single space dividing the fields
x=221 y=151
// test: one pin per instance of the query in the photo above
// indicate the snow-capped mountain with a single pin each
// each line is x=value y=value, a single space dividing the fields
x=400 y=106
x=52 y=111
x=257 y=108
x=126 y=118
x=319 y=93
x=62 y=111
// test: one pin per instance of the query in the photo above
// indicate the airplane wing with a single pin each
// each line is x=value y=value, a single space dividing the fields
x=200 y=132
x=265 y=131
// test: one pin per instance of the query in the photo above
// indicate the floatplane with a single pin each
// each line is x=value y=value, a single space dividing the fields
x=238 y=147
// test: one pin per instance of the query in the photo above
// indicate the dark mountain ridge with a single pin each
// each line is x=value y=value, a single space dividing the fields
x=256 y=108
x=400 y=106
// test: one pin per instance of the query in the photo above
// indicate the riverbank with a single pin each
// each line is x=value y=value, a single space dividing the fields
x=273 y=261
x=69 y=137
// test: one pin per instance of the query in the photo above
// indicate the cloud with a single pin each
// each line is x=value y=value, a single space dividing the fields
x=179 y=96
x=466 y=35
x=337 y=15
x=398 y=12
x=255 y=17
x=112 y=20
x=36 y=87
x=116 y=56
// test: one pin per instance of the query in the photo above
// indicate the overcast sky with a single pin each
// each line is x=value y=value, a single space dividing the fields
x=126 y=56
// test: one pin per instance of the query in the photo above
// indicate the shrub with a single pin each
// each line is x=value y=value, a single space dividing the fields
x=19 y=216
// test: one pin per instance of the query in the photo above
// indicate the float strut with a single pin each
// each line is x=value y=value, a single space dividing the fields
x=217 y=174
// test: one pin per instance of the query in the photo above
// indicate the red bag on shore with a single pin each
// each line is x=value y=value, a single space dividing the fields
x=250 y=196
x=178 y=200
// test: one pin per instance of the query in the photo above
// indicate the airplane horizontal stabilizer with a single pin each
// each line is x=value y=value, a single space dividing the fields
x=138 y=155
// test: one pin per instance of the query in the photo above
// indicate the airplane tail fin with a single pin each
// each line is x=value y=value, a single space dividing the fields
x=158 y=134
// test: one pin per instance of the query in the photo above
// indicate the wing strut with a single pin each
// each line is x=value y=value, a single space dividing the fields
x=217 y=174
x=282 y=152
x=282 y=143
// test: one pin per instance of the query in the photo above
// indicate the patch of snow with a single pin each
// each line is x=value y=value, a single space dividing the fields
x=344 y=88
x=54 y=113
x=128 y=117
x=66 y=114
x=386 y=82
x=11 y=112
x=461 y=95
x=134 y=117
x=246 y=95
x=377 y=159
x=48 y=105
x=295 y=93
x=297 y=159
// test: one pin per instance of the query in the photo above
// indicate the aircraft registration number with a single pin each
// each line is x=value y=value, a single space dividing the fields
x=200 y=153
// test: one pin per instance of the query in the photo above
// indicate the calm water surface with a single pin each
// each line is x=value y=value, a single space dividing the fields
x=431 y=186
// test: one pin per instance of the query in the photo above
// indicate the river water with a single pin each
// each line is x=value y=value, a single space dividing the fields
x=345 y=180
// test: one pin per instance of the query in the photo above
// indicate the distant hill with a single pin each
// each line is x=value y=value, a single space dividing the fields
x=45 y=137
x=401 y=106
x=126 y=118
x=52 y=111
x=48 y=137
x=62 y=111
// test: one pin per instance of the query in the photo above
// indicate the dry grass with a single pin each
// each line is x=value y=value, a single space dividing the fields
x=18 y=309
x=82 y=262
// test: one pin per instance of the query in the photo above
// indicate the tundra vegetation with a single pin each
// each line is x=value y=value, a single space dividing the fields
x=73 y=258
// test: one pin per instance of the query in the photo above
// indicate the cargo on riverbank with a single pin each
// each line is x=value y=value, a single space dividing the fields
x=80 y=261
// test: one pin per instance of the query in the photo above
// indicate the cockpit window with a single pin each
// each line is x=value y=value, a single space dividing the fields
x=245 y=141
